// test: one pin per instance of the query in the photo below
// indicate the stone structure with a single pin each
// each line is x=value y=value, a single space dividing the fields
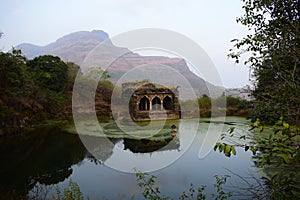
x=150 y=101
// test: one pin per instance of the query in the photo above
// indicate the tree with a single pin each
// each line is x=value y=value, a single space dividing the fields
x=12 y=83
x=49 y=72
x=73 y=69
x=274 y=49
x=12 y=70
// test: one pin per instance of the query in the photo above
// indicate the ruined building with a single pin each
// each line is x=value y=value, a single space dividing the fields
x=149 y=101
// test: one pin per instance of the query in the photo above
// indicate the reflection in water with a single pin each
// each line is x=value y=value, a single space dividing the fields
x=46 y=156
x=147 y=145
x=100 y=148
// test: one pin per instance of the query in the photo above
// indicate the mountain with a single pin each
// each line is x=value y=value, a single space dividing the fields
x=75 y=47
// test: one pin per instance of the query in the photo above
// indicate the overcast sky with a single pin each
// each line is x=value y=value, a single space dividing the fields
x=210 y=23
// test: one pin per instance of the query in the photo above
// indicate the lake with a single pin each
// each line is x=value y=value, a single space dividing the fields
x=49 y=156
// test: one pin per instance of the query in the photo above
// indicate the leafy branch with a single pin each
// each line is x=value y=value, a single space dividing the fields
x=276 y=150
x=152 y=192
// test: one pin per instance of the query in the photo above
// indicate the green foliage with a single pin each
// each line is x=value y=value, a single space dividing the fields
x=234 y=106
x=31 y=91
x=204 y=102
x=237 y=102
x=191 y=194
x=55 y=102
x=220 y=102
x=72 y=73
x=95 y=74
x=279 y=156
x=71 y=192
x=274 y=49
x=225 y=148
x=152 y=192
x=13 y=76
x=39 y=89
x=189 y=106
x=276 y=151
x=49 y=72
x=105 y=89
x=220 y=181
x=12 y=71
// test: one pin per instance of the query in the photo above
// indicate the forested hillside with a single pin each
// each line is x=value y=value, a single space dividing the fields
x=32 y=91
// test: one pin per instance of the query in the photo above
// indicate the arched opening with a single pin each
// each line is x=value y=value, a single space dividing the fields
x=144 y=104
x=156 y=104
x=168 y=103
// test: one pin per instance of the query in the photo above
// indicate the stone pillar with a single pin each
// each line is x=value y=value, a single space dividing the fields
x=146 y=106
x=150 y=103
x=137 y=107
x=161 y=104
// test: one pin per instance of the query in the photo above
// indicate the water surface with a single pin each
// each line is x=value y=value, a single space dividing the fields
x=51 y=157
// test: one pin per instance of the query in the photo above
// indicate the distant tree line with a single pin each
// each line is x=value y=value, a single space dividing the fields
x=232 y=106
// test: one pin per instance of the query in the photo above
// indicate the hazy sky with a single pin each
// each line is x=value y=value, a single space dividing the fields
x=210 y=23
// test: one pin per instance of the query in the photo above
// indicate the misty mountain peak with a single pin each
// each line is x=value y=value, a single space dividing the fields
x=98 y=35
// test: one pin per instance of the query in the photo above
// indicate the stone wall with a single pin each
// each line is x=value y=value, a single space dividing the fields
x=149 y=101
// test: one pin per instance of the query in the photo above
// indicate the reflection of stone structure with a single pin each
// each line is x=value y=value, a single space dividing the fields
x=148 y=146
x=151 y=101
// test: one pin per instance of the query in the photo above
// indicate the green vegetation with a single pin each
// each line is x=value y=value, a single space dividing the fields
x=152 y=191
x=274 y=49
x=234 y=106
x=40 y=89
x=72 y=192
x=30 y=90
x=275 y=152
x=145 y=181
x=49 y=72
x=95 y=75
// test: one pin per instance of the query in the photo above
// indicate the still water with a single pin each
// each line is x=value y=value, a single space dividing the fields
x=50 y=157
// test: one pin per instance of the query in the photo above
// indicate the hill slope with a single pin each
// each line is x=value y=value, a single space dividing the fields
x=76 y=46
